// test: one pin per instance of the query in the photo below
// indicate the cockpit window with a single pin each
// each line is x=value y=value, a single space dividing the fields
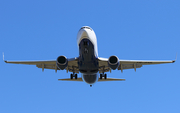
x=86 y=28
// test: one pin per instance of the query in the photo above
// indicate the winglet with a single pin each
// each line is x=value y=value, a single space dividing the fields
x=3 y=57
x=175 y=59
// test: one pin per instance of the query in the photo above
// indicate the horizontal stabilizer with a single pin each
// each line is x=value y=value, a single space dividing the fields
x=99 y=80
x=68 y=79
x=110 y=79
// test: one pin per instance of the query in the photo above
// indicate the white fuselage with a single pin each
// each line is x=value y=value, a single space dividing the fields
x=87 y=33
x=88 y=54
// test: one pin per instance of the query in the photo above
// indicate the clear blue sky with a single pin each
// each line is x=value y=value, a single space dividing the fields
x=44 y=30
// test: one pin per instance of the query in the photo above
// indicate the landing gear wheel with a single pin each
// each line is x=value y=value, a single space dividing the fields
x=105 y=76
x=71 y=76
x=100 y=76
x=75 y=76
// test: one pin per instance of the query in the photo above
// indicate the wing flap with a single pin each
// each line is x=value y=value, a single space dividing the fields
x=129 y=66
x=47 y=66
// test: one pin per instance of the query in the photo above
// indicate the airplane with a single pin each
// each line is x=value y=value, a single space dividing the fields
x=88 y=63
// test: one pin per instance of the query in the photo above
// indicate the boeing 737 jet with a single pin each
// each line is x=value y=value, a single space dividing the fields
x=92 y=67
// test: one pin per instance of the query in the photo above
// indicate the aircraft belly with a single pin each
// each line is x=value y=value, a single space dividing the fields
x=88 y=63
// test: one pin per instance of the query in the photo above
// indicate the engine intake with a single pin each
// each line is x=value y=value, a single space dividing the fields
x=113 y=62
x=62 y=62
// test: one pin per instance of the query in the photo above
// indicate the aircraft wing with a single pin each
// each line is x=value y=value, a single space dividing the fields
x=128 y=64
x=50 y=64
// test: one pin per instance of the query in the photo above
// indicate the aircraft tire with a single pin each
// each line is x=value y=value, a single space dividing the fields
x=105 y=76
x=75 y=76
x=100 y=76
x=71 y=76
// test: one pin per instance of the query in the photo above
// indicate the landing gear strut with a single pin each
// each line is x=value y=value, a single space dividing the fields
x=103 y=75
x=73 y=76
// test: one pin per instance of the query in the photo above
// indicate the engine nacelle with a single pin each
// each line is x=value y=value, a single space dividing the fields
x=62 y=62
x=113 y=62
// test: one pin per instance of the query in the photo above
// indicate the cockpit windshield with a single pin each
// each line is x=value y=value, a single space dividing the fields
x=86 y=27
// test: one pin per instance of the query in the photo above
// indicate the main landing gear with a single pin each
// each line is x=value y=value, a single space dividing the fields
x=103 y=75
x=73 y=76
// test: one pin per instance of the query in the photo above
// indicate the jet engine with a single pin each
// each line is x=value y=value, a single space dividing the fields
x=62 y=62
x=113 y=62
